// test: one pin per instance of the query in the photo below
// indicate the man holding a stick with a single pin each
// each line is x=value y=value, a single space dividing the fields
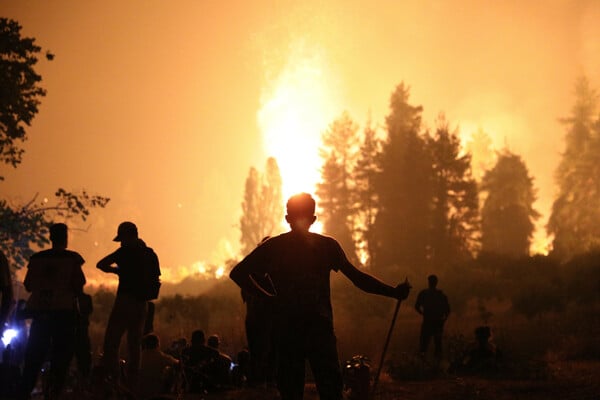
x=299 y=263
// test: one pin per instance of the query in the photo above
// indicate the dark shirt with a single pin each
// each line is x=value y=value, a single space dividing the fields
x=299 y=265
x=54 y=278
x=131 y=261
x=199 y=355
x=433 y=303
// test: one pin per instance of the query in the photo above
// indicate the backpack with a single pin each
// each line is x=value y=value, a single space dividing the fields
x=150 y=277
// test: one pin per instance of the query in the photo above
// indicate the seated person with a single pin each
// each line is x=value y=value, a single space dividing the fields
x=222 y=367
x=157 y=369
x=198 y=360
x=240 y=372
x=481 y=356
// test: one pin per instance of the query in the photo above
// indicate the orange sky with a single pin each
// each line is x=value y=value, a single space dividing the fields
x=164 y=106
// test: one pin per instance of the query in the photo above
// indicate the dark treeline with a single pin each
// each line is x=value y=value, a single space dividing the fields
x=407 y=200
x=404 y=198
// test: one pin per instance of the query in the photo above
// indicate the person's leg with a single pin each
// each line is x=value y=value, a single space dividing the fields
x=83 y=350
x=115 y=329
x=291 y=362
x=63 y=345
x=437 y=339
x=35 y=354
x=424 y=338
x=135 y=330
x=324 y=361
x=259 y=338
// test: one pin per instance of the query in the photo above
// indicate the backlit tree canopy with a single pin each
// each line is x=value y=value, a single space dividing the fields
x=20 y=90
x=508 y=215
x=262 y=208
x=24 y=227
x=575 y=218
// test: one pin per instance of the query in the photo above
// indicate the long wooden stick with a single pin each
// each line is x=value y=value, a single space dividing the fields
x=387 y=342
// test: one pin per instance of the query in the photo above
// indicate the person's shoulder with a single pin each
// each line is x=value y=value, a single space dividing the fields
x=42 y=254
x=169 y=358
x=73 y=254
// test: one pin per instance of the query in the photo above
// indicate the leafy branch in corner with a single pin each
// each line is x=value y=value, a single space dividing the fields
x=25 y=227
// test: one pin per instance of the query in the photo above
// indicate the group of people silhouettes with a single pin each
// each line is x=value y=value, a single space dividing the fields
x=59 y=310
x=285 y=282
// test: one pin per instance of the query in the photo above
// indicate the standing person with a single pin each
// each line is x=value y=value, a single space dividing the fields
x=433 y=305
x=259 y=327
x=6 y=291
x=55 y=279
x=138 y=269
x=299 y=263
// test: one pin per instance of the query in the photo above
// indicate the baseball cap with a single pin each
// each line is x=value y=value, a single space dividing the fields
x=126 y=229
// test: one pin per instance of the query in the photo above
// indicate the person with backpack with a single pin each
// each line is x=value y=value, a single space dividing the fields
x=433 y=305
x=138 y=269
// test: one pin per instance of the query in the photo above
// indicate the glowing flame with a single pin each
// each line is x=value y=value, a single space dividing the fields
x=296 y=108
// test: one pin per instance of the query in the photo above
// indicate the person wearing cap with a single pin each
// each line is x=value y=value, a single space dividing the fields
x=55 y=279
x=299 y=263
x=130 y=262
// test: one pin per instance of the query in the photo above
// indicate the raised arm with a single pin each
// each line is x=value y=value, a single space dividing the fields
x=107 y=264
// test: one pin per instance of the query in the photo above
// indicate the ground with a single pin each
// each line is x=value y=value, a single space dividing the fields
x=571 y=381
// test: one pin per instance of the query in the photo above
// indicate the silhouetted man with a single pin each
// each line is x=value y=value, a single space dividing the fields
x=132 y=262
x=6 y=291
x=299 y=264
x=433 y=305
x=55 y=279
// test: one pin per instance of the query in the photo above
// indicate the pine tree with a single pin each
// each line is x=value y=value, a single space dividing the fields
x=455 y=220
x=340 y=143
x=262 y=207
x=575 y=218
x=403 y=187
x=508 y=215
x=365 y=199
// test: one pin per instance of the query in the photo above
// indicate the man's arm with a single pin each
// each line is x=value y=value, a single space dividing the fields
x=107 y=264
x=8 y=300
x=6 y=290
x=419 y=303
x=241 y=275
x=370 y=284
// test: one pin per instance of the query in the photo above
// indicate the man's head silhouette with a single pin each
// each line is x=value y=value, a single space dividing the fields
x=433 y=281
x=300 y=211
x=127 y=232
x=59 y=235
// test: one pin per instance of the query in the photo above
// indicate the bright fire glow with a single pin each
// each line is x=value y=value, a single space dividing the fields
x=296 y=108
